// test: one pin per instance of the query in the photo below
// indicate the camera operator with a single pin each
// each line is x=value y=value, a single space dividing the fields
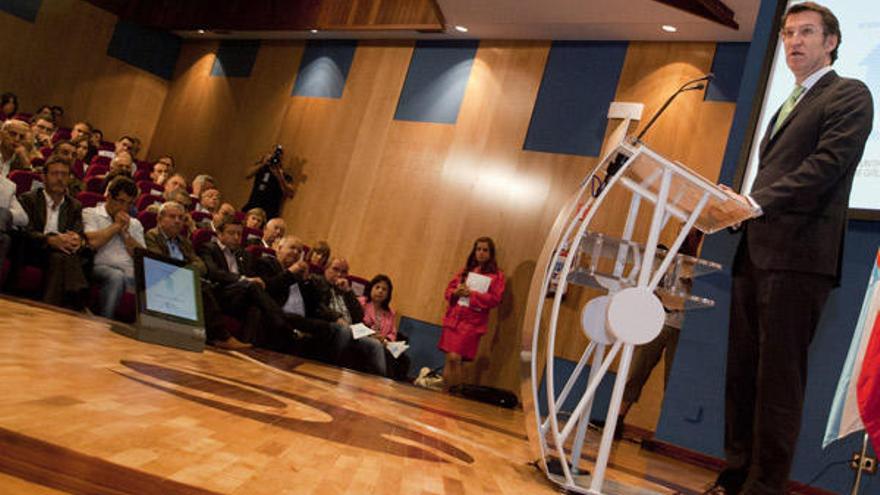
x=272 y=184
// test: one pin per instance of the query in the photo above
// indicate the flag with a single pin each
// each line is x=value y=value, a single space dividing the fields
x=856 y=404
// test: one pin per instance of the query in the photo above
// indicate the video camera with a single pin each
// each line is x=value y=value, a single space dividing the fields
x=275 y=159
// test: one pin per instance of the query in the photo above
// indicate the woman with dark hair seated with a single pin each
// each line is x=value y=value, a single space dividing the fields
x=379 y=316
x=8 y=106
x=474 y=290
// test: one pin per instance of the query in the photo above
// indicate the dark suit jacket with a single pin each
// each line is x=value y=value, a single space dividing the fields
x=804 y=179
x=322 y=293
x=156 y=243
x=278 y=282
x=69 y=216
x=218 y=269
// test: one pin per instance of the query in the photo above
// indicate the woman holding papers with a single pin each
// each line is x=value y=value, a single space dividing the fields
x=475 y=290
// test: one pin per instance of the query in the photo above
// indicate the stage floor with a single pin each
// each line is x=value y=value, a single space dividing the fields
x=85 y=410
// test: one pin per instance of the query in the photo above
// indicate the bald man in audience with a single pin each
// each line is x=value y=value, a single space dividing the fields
x=80 y=129
x=176 y=181
x=123 y=162
x=55 y=236
x=202 y=182
x=13 y=155
x=272 y=233
x=166 y=239
x=162 y=170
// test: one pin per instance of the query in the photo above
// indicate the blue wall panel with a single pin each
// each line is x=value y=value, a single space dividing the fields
x=728 y=66
x=235 y=58
x=423 y=338
x=148 y=49
x=436 y=81
x=580 y=81
x=324 y=68
x=693 y=409
x=24 y=9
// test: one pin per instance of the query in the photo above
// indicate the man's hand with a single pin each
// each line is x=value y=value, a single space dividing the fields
x=299 y=267
x=342 y=284
x=59 y=243
x=72 y=240
x=256 y=281
x=122 y=220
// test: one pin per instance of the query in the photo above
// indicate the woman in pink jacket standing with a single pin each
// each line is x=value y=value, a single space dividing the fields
x=475 y=290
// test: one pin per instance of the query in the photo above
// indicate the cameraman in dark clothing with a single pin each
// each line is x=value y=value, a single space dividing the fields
x=272 y=185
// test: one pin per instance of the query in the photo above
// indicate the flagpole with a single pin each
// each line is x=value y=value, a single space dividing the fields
x=855 y=489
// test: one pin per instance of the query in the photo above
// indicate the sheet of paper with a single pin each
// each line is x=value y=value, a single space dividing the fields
x=359 y=330
x=396 y=348
x=476 y=283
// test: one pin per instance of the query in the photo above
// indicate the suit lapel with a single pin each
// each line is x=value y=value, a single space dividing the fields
x=42 y=211
x=801 y=107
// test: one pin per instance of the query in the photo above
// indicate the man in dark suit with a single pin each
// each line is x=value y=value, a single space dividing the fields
x=231 y=270
x=166 y=239
x=55 y=237
x=789 y=256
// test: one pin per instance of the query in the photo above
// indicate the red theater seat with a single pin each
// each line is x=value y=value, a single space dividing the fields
x=258 y=251
x=150 y=187
x=89 y=199
x=249 y=234
x=95 y=184
x=358 y=284
x=61 y=134
x=200 y=237
x=97 y=169
x=148 y=219
x=145 y=200
x=78 y=169
x=140 y=175
x=24 y=180
x=101 y=160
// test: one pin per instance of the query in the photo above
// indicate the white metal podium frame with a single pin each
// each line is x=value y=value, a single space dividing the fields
x=608 y=321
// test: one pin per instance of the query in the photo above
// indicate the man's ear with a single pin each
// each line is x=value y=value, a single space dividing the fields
x=831 y=42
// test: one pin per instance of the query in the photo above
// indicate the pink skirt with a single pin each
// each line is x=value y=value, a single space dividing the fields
x=462 y=342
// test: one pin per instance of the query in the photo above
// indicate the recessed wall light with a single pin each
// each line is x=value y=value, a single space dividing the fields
x=201 y=31
x=313 y=31
x=461 y=29
x=668 y=28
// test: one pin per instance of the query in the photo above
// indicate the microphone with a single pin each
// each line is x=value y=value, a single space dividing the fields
x=692 y=85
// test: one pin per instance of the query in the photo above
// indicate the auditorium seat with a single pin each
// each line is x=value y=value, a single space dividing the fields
x=46 y=151
x=89 y=199
x=200 y=216
x=28 y=281
x=24 y=180
x=239 y=216
x=144 y=166
x=259 y=251
x=249 y=234
x=23 y=116
x=78 y=169
x=101 y=160
x=145 y=200
x=148 y=219
x=150 y=187
x=358 y=284
x=106 y=146
x=140 y=175
x=95 y=184
x=200 y=237
x=97 y=169
x=63 y=133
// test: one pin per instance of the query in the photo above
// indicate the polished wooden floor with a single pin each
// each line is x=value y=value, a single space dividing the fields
x=85 y=410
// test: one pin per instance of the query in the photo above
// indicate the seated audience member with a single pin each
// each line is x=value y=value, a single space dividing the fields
x=135 y=149
x=81 y=147
x=8 y=106
x=337 y=302
x=319 y=256
x=13 y=155
x=162 y=170
x=57 y=114
x=113 y=234
x=288 y=283
x=65 y=149
x=166 y=239
x=122 y=144
x=202 y=182
x=123 y=162
x=209 y=200
x=379 y=316
x=55 y=236
x=96 y=137
x=80 y=129
x=255 y=218
x=11 y=215
x=176 y=181
x=231 y=270
x=273 y=232
x=45 y=111
x=226 y=210
x=42 y=129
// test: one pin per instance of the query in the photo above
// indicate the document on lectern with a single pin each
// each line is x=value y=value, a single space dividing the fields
x=476 y=283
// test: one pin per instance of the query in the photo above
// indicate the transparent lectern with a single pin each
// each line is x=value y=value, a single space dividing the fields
x=646 y=194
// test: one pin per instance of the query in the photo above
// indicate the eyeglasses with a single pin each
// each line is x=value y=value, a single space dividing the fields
x=807 y=31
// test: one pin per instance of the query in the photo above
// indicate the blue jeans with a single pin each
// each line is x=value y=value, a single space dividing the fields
x=113 y=282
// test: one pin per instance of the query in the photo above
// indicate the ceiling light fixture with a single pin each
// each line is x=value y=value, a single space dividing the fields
x=669 y=28
x=461 y=29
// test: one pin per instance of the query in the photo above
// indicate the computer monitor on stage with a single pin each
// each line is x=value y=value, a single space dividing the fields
x=169 y=302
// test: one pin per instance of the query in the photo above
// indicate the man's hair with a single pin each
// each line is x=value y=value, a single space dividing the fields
x=52 y=160
x=12 y=122
x=122 y=184
x=168 y=205
x=830 y=24
x=202 y=178
x=225 y=221
x=203 y=191
x=83 y=122
x=127 y=137
x=59 y=144
x=39 y=117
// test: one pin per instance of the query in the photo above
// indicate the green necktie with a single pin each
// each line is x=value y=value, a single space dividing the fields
x=787 y=107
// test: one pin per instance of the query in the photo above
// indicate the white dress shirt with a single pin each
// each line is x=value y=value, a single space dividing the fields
x=113 y=253
x=231 y=262
x=10 y=202
x=52 y=211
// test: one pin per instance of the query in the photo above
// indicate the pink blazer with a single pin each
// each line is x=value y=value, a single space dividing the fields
x=475 y=317
x=388 y=329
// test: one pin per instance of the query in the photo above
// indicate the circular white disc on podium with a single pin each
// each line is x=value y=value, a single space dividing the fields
x=593 y=318
x=635 y=316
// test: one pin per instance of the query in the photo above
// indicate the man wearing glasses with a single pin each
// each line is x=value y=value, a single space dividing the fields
x=789 y=256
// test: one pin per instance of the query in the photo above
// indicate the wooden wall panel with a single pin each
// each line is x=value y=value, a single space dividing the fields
x=61 y=60
x=408 y=198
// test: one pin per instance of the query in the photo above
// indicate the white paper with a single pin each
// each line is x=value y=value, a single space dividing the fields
x=476 y=283
x=396 y=348
x=359 y=330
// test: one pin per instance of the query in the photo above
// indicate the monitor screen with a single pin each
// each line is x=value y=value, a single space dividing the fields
x=858 y=57
x=168 y=288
